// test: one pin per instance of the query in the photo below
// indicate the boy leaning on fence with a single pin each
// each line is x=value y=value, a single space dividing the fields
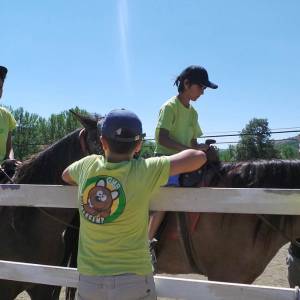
x=113 y=198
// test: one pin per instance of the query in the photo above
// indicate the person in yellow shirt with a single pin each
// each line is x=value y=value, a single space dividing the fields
x=113 y=199
x=7 y=124
x=178 y=128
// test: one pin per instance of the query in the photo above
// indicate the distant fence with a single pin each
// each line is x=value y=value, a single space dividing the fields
x=254 y=201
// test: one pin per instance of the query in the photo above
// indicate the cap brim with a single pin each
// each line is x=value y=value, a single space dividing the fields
x=211 y=85
x=130 y=139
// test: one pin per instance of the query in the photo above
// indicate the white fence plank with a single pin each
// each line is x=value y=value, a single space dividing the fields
x=227 y=200
x=272 y=201
x=178 y=288
x=189 y=289
x=44 y=274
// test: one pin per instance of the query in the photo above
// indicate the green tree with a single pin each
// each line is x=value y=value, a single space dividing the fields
x=148 y=149
x=228 y=154
x=33 y=133
x=255 y=141
x=288 y=151
x=59 y=125
x=27 y=137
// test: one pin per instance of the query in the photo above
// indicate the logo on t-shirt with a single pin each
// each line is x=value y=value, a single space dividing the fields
x=103 y=199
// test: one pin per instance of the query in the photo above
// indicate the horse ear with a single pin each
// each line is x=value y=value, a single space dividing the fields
x=86 y=121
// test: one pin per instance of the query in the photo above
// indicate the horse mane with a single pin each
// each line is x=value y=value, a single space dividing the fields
x=47 y=166
x=283 y=174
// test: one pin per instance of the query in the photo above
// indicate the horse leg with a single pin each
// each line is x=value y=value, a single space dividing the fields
x=45 y=292
x=9 y=290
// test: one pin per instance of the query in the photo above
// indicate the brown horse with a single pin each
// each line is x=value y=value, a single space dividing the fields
x=231 y=247
x=34 y=235
x=226 y=247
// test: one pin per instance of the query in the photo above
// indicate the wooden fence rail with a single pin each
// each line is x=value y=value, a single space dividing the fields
x=227 y=200
x=256 y=201
x=178 y=288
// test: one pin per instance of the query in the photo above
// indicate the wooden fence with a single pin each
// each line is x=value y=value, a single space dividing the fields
x=254 y=201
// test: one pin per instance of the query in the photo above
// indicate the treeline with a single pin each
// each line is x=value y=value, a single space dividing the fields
x=34 y=133
x=255 y=143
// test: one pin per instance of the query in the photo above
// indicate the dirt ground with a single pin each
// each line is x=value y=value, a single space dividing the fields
x=274 y=275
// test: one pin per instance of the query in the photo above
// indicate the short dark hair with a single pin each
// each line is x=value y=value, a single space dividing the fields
x=121 y=147
x=194 y=75
x=3 y=72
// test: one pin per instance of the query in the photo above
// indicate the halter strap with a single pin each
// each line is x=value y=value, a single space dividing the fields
x=82 y=141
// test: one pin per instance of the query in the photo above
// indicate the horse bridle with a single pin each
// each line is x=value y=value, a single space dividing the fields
x=83 y=144
x=86 y=151
x=6 y=175
x=263 y=218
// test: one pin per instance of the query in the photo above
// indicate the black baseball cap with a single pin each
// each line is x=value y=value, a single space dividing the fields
x=3 y=72
x=197 y=75
x=121 y=125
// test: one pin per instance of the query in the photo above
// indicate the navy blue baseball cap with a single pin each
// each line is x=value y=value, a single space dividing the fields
x=121 y=125
x=198 y=75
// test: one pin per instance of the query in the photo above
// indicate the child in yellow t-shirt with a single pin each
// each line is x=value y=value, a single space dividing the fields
x=7 y=124
x=113 y=199
x=178 y=128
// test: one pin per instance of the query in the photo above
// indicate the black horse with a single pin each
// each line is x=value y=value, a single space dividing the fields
x=35 y=235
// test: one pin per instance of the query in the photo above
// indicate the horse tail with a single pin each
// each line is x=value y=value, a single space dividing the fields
x=71 y=250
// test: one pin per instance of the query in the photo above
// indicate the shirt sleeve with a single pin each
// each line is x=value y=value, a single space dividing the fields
x=166 y=118
x=76 y=168
x=158 y=172
x=12 y=123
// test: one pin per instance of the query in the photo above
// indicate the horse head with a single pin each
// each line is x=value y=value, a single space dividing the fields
x=89 y=135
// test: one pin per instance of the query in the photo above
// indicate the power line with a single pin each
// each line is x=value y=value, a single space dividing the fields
x=247 y=134
x=237 y=131
x=203 y=136
x=239 y=134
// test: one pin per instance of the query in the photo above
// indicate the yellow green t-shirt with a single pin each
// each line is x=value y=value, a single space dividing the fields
x=7 y=124
x=180 y=121
x=114 y=207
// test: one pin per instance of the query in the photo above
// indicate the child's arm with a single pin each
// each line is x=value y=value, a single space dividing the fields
x=165 y=140
x=9 y=148
x=67 y=178
x=186 y=161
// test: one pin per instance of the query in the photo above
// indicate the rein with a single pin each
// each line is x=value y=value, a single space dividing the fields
x=85 y=151
x=186 y=242
x=264 y=219
x=185 y=235
x=272 y=226
x=56 y=219
x=6 y=175
x=83 y=145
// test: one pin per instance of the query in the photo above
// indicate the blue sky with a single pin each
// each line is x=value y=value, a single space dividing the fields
x=101 y=55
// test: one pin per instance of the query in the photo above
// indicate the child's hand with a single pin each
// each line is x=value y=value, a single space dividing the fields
x=202 y=147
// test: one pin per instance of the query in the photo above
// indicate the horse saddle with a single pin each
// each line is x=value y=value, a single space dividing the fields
x=200 y=177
